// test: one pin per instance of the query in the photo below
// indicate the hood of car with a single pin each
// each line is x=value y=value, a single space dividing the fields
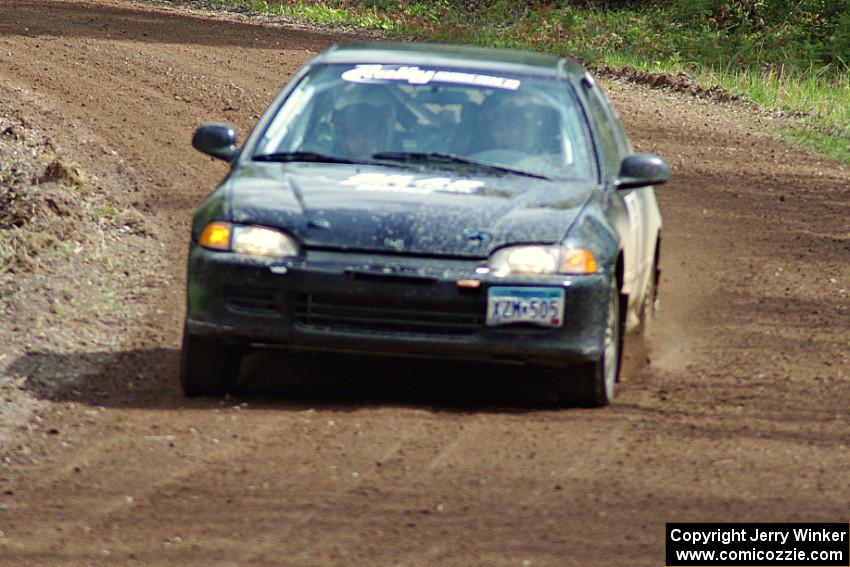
x=385 y=209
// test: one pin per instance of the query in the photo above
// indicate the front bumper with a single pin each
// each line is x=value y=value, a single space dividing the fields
x=386 y=305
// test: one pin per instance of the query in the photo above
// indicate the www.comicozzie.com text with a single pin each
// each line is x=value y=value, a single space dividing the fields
x=726 y=536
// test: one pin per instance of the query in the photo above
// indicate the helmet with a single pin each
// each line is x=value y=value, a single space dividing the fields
x=363 y=120
x=517 y=122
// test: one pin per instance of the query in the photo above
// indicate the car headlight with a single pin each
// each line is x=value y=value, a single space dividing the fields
x=536 y=260
x=250 y=240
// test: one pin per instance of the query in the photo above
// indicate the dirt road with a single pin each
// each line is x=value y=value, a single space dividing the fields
x=742 y=412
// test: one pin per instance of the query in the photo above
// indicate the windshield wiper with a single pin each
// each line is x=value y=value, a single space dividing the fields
x=302 y=156
x=452 y=159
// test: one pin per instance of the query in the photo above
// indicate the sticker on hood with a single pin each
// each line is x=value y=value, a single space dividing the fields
x=418 y=76
x=398 y=183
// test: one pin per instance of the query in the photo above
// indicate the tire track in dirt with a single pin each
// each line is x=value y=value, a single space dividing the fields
x=741 y=414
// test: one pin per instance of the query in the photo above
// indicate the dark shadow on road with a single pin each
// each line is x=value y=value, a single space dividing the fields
x=279 y=381
x=149 y=379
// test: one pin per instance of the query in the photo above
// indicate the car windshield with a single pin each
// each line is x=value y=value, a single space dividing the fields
x=431 y=116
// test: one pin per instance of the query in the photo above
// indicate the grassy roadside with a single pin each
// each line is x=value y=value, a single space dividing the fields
x=792 y=59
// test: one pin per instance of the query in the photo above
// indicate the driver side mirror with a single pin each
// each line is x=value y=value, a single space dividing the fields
x=216 y=140
x=642 y=170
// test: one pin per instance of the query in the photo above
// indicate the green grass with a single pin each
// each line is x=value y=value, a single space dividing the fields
x=782 y=55
x=308 y=12
x=107 y=212
x=821 y=106
x=831 y=145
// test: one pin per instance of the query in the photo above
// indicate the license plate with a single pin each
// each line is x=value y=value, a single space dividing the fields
x=537 y=305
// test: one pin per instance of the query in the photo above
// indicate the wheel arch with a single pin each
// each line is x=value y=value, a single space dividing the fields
x=619 y=273
x=656 y=261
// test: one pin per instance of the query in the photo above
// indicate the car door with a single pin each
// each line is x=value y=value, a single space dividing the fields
x=642 y=218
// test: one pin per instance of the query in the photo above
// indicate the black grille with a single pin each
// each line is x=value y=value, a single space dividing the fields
x=254 y=301
x=347 y=314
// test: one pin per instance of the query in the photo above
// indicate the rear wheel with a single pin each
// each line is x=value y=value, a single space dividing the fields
x=208 y=368
x=593 y=384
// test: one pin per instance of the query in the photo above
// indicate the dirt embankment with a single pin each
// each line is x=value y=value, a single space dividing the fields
x=741 y=413
x=69 y=240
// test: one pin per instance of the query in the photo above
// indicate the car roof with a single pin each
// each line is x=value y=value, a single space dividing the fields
x=449 y=55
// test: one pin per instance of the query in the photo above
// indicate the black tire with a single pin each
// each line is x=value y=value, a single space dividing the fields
x=593 y=384
x=208 y=368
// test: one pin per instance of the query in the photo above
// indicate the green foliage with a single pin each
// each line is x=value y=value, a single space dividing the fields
x=756 y=33
x=717 y=34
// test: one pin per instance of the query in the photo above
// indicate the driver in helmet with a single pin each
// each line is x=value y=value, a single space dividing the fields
x=359 y=130
x=520 y=124
x=506 y=128
x=363 y=121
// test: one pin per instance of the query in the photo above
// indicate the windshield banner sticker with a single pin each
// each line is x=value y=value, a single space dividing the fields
x=417 y=76
x=397 y=183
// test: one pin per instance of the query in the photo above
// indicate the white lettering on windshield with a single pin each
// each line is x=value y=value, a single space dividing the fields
x=417 y=76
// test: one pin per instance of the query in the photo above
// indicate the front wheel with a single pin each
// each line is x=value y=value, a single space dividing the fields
x=208 y=368
x=593 y=384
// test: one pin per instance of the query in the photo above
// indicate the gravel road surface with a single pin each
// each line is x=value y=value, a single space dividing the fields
x=738 y=410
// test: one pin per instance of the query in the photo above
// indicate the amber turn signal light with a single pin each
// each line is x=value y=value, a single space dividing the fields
x=578 y=261
x=216 y=236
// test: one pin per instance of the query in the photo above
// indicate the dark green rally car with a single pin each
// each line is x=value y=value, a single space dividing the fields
x=427 y=200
